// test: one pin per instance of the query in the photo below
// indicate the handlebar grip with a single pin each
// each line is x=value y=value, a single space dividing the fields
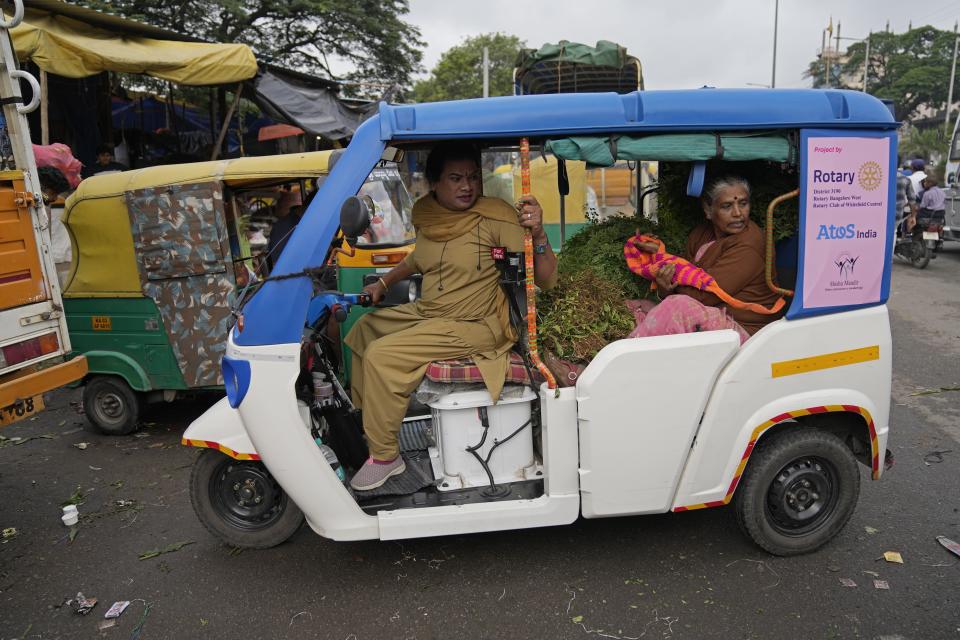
x=339 y=313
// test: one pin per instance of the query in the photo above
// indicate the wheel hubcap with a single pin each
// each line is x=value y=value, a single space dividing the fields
x=802 y=496
x=246 y=495
x=110 y=406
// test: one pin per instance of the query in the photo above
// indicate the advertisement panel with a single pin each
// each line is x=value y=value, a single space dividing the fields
x=846 y=197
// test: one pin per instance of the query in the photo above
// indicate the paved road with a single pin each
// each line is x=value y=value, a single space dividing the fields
x=677 y=576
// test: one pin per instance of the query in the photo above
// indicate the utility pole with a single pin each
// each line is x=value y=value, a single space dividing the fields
x=825 y=59
x=866 y=62
x=773 y=73
x=486 y=72
x=953 y=74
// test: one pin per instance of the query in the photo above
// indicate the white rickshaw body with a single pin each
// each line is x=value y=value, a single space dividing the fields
x=653 y=425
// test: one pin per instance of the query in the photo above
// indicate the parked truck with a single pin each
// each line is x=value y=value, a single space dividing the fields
x=33 y=330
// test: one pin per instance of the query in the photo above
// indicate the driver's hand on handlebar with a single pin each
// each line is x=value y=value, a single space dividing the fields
x=376 y=290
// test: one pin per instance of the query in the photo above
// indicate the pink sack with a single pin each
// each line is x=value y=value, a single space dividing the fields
x=59 y=156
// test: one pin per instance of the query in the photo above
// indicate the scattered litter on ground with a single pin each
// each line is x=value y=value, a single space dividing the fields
x=502 y=594
x=117 y=609
x=73 y=534
x=881 y=584
x=847 y=582
x=833 y=568
x=170 y=548
x=93 y=468
x=761 y=564
x=81 y=445
x=871 y=530
x=106 y=624
x=84 y=605
x=935 y=457
x=302 y=613
x=78 y=497
x=135 y=634
x=141 y=435
x=117 y=485
x=9 y=532
x=70 y=432
x=872 y=573
x=949 y=545
x=17 y=441
x=893 y=556
x=155 y=445
x=930 y=392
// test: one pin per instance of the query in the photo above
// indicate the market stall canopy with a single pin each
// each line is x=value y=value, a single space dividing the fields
x=571 y=67
x=77 y=49
x=307 y=102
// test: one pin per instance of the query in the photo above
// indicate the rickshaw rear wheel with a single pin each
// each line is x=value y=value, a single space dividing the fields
x=240 y=503
x=798 y=492
x=111 y=406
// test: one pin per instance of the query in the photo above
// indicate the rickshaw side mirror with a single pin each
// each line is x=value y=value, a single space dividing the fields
x=354 y=218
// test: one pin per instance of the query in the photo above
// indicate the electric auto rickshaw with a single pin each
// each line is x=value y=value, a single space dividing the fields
x=778 y=426
x=159 y=255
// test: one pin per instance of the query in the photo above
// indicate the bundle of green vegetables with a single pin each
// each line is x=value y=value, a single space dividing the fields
x=587 y=309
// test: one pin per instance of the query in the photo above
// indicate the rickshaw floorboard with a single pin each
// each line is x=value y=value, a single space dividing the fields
x=433 y=497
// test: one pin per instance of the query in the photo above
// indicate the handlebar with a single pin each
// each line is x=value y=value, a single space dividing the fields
x=334 y=303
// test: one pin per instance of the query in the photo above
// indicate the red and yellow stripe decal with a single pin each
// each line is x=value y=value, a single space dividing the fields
x=755 y=436
x=210 y=444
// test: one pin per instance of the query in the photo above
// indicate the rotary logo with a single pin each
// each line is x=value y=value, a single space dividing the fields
x=870 y=175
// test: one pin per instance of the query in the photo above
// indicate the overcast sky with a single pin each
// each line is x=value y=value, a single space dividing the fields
x=682 y=43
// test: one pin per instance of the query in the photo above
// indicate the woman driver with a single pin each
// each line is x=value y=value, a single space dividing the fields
x=462 y=312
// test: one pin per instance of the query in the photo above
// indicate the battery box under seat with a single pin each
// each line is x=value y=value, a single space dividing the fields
x=469 y=428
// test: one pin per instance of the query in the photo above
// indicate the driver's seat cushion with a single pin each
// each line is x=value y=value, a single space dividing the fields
x=464 y=370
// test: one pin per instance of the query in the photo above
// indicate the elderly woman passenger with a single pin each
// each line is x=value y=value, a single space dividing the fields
x=463 y=311
x=730 y=247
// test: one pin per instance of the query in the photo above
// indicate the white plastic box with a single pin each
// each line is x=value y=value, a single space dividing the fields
x=457 y=425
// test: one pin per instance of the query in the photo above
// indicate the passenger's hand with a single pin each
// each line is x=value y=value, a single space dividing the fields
x=665 y=281
x=376 y=291
x=530 y=216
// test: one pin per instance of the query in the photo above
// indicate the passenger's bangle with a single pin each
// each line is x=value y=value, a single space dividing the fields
x=384 y=283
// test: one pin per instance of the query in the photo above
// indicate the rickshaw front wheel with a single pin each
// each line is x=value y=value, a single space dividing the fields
x=240 y=503
x=799 y=490
x=111 y=405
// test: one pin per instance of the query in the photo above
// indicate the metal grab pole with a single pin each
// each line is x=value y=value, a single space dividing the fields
x=773 y=73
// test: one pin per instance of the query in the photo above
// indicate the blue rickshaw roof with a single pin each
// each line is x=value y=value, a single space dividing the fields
x=275 y=314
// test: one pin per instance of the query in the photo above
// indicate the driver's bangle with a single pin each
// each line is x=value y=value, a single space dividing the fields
x=384 y=283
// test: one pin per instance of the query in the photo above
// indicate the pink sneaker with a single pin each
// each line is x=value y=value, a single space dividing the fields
x=374 y=473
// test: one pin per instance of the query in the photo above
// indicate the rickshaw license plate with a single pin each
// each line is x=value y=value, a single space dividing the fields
x=931 y=235
x=20 y=410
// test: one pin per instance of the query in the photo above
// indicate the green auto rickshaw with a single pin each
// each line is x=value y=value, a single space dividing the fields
x=158 y=257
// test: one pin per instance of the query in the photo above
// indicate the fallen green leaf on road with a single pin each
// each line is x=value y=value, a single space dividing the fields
x=930 y=392
x=9 y=532
x=73 y=533
x=170 y=548
x=871 y=530
x=78 y=498
x=576 y=619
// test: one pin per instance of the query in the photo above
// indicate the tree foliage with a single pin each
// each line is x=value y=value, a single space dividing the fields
x=459 y=73
x=911 y=68
x=298 y=34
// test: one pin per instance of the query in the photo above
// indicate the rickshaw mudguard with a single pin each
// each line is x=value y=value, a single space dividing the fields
x=114 y=363
x=836 y=363
x=221 y=428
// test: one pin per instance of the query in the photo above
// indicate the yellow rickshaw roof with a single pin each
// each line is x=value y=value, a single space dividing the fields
x=238 y=170
x=96 y=214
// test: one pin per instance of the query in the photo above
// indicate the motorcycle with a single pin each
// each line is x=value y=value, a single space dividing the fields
x=912 y=245
x=931 y=224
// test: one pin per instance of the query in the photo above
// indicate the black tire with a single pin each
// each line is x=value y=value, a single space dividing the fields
x=224 y=493
x=798 y=492
x=920 y=254
x=111 y=406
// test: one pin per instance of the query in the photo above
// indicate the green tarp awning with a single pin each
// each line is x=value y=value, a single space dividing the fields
x=604 y=151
